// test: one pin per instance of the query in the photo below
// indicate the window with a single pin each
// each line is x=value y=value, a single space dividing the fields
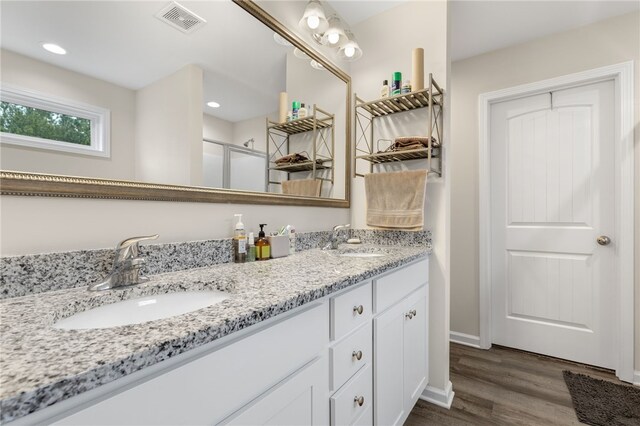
x=36 y=120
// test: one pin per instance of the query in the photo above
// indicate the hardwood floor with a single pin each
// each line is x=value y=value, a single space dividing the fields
x=505 y=386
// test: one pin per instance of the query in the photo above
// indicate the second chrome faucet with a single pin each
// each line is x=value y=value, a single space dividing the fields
x=335 y=238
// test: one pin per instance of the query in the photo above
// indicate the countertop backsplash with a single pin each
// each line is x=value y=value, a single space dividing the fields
x=37 y=273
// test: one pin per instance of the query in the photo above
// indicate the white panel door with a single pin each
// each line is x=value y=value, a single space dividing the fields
x=552 y=196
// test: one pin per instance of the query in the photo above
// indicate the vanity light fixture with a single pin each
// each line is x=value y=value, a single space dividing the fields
x=350 y=50
x=334 y=36
x=314 y=19
x=54 y=48
x=213 y=104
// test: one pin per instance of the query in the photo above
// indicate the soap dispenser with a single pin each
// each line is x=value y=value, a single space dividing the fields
x=263 y=248
x=239 y=242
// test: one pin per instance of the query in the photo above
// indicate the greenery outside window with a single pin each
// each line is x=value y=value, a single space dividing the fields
x=36 y=120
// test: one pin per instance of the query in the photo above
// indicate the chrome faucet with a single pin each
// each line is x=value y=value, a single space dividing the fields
x=334 y=241
x=126 y=265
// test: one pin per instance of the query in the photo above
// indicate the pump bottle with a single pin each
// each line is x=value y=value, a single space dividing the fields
x=263 y=248
x=239 y=242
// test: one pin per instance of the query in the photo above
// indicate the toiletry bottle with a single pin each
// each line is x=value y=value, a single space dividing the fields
x=396 y=83
x=302 y=112
x=263 y=248
x=295 y=108
x=239 y=242
x=384 y=92
x=251 y=249
x=406 y=87
x=292 y=239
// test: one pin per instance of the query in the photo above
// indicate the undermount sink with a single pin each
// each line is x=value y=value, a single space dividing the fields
x=358 y=254
x=142 y=309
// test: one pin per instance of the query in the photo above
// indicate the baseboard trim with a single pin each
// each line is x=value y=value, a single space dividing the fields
x=636 y=378
x=439 y=397
x=464 y=339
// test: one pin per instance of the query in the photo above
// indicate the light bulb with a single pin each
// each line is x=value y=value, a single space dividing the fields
x=349 y=51
x=313 y=22
x=333 y=37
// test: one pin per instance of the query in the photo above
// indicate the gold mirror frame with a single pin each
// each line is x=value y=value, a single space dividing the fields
x=47 y=185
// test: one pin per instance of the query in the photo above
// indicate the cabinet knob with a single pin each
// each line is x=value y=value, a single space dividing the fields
x=358 y=309
x=359 y=400
x=413 y=312
x=357 y=355
x=409 y=315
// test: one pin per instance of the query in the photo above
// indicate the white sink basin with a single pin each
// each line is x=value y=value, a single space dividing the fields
x=142 y=309
x=356 y=254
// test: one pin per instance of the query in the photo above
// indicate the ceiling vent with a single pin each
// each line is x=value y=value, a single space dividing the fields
x=180 y=17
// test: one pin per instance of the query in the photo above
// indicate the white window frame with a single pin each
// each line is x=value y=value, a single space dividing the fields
x=99 y=118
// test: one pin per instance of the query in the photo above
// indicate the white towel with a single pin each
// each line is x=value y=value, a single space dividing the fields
x=303 y=187
x=396 y=200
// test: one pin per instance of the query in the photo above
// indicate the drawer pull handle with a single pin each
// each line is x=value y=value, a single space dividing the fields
x=412 y=313
x=358 y=309
x=359 y=400
x=357 y=355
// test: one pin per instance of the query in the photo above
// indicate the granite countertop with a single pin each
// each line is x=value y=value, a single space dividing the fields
x=41 y=365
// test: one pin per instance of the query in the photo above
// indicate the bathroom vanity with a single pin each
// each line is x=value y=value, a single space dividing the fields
x=314 y=338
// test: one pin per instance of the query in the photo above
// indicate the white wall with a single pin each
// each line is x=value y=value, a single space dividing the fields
x=41 y=225
x=169 y=129
x=608 y=42
x=384 y=53
x=49 y=79
x=217 y=129
x=252 y=128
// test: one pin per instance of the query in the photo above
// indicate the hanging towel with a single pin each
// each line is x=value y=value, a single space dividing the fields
x=396 y=200
x=304 y=187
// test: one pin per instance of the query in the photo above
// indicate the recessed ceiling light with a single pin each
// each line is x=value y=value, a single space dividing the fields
x=54 y=48
x=213 y=104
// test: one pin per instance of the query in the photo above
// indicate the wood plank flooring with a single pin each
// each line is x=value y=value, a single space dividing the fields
x=505 y=386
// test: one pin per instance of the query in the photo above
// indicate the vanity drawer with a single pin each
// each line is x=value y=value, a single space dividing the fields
x=345 y=408
x=350 y=310
x=344 y=355
x=393 y=287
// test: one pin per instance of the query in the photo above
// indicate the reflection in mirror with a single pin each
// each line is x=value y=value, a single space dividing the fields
x=192 y=101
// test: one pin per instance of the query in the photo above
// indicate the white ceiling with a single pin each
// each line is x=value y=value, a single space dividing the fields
x=122 y=42
x=479 y=26
x=482 y=26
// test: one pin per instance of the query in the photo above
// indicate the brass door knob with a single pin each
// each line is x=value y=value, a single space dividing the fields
x=358 y=309
x=359 y=400
x=603 y=240
x=357 y=355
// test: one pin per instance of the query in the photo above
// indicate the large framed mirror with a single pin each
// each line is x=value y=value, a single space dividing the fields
x=171 y=101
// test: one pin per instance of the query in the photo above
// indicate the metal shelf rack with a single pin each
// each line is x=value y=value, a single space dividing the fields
x=321 y=124
x=431 y=98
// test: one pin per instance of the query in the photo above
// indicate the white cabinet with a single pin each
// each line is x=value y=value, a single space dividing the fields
x=357 y=357
x=400 y=357
x=299 y=400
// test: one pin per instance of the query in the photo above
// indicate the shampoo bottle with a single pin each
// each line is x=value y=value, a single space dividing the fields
x=302 y=112
x=239 y=242
x=396 y=83
x=251 y=249
x=263 y=248
x=384 y=91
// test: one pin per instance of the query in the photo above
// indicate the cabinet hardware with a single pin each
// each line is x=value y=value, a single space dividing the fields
x=357 y=355
x=358 y=309
x=359 y=400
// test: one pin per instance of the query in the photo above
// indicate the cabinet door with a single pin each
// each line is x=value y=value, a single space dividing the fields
x=299 y=400
x=388 y=373
x=415 y=346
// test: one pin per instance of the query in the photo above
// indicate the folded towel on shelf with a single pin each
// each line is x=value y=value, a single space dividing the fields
x=413 y=140
x=303 y=187
x=396 y=200
x=296 y=157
